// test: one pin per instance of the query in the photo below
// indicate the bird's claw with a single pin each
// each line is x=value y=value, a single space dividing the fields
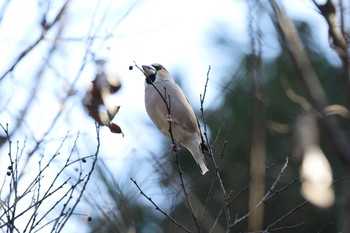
x=169 y=118
x=174 y=148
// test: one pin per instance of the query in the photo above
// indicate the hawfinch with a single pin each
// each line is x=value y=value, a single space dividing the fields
x=184 y=124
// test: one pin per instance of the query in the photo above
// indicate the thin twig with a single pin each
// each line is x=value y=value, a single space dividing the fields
x=88 y=176
x=286 y=227
x=193 y=214
x=265 y=197
x=40 y=77
x=217 y=176
x=158 y=208
x=34 y=204
x=217 y=219
x=202 y=98
x=45 y=30
x=245 y=188
x=286 y=215
x=326 y=223
x=276 y=192
x=210 y=192
x=175 y=151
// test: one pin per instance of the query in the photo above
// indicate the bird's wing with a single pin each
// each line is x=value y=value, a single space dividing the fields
x=191 y=124
x=180 y=109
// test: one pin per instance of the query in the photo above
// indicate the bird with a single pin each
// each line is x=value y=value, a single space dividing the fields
x=166 y=103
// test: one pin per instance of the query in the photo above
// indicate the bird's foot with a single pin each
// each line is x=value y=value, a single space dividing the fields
x=169 y=118
x=174 y=148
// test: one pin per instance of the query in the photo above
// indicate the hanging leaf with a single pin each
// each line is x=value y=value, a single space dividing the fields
x=115 y=128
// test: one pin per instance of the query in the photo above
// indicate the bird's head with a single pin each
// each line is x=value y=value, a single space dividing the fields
x=155 y=72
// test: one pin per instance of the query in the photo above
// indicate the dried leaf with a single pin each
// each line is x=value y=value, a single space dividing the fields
x=115 y=128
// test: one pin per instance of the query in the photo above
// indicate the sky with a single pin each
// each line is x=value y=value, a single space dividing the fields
x=177 y=34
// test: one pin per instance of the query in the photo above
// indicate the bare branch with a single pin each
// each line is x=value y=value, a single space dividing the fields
x=308 y=75
x=328 y=11
x=46 y=28
x=158 y=208
x=217 y=177
x=285 y=216
x=264 y=198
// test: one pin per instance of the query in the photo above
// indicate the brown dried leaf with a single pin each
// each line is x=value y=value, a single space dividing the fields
x=115 y=128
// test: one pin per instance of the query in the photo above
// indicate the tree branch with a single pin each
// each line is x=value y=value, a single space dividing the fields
x=158 y=208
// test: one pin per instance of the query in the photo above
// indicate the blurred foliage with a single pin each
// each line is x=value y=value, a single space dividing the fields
x=232 y=122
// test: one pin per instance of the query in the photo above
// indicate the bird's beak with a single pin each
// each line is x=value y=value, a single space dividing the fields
x=149 y=70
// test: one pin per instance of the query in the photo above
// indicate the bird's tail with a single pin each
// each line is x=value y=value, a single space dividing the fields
x=196 y=151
